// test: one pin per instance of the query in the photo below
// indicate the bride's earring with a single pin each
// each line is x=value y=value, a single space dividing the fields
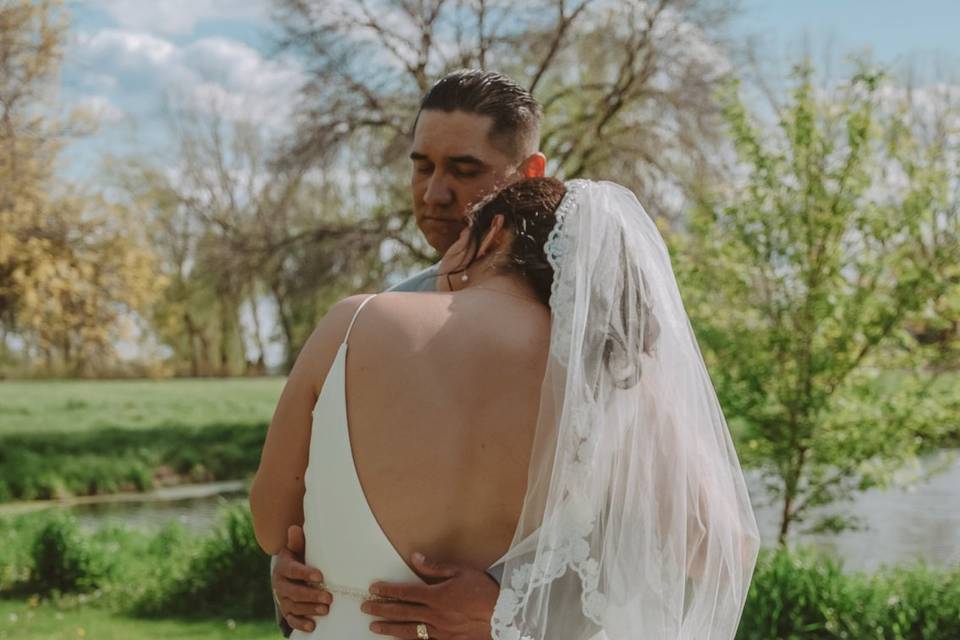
x=464 y=277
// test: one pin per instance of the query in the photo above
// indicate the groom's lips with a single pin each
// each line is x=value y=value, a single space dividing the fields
x=447 y=220
x=430 y=221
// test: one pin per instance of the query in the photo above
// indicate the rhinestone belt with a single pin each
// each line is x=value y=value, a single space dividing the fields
x=352 y=592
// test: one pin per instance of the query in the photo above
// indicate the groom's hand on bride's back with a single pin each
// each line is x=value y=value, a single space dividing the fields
x=297 y=599
x=457 y=607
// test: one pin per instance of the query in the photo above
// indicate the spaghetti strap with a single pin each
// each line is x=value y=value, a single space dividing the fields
x=355 y=314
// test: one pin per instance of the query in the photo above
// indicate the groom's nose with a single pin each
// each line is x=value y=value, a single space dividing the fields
x=439 y=191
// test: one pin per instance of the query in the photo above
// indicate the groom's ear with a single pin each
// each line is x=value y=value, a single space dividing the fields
x=534 y=166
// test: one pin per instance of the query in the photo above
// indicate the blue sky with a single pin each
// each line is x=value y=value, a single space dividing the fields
x=895 y=30
x=126 y=55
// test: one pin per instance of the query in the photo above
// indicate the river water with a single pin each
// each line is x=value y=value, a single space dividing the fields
x=902 y=524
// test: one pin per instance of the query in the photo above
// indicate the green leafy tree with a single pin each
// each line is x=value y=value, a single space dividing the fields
x=802 y=275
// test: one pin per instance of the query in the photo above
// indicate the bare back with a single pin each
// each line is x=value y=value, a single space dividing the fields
x=442 y=397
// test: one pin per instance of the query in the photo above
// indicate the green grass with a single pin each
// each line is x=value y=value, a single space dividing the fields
x=19 y=619
x=75 y=406
x=68 y=438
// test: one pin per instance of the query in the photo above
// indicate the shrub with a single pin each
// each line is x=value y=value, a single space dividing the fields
x=803 y=595
x=920 y=603
x=65 y=560
x=227 y=576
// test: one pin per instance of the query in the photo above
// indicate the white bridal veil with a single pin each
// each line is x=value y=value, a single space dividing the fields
x=636 y=523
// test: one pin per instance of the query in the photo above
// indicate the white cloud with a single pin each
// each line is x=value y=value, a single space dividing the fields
x=131 y=59
x=99 y=82
x=210 y=73
x=175 y=17
x=240 y=68
x=105 y=111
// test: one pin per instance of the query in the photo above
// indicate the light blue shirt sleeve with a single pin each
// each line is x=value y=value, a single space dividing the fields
x=425 y=280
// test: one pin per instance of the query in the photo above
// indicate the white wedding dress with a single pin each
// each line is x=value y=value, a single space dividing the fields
x=343 y=537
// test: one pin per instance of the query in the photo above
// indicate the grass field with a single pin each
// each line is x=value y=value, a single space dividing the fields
x=20 y=619
x=63 y=438
x=37 y=407
x=69 y=438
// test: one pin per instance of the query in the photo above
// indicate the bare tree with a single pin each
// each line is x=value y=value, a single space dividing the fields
x=236 y=229
x=627 y=87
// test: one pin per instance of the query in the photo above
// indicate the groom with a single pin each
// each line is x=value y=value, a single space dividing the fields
x=476 y=131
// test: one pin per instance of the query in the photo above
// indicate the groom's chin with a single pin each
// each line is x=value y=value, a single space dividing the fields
x=440 y=234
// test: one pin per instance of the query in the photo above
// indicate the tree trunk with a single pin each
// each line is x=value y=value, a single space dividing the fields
x=224 y=340
x=786 y=518
x=192 y=337
x=238 y=331
x=285 y=323
x=67 y=355
x=261 y=366
x=205 y=352
x=4 y=349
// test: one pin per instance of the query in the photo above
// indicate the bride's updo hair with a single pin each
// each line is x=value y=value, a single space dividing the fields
x=529 y=210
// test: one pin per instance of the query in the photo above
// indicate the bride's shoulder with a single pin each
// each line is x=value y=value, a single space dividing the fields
x=403 y=309
x=387 y=312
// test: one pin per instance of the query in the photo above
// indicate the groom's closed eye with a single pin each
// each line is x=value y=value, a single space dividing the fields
x=421 y=163
x=465 y=173
x=466 y=166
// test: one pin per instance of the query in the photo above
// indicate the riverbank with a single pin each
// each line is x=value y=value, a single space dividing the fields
x=167 y=494
x=62 y=439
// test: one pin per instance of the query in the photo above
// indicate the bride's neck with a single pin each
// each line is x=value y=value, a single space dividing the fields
x=511 y=283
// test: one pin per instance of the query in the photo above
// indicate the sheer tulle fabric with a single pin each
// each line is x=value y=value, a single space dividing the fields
x=636 y=521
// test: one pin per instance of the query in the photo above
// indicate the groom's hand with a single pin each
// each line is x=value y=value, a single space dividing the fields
x=459 y=607
x=297 y=599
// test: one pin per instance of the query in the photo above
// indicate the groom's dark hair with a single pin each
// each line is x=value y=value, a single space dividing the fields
x=515 y=113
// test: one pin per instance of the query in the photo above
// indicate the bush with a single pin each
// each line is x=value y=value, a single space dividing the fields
x=65 y=560
x=228 y=575
x=16 y=538
x=802 y=595
x=919 y=603
x=795 y=594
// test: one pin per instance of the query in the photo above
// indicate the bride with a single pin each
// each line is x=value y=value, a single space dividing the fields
x=545 y=415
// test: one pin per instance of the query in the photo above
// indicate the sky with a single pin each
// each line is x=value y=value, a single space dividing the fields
x=125 y=58
x=894 y=30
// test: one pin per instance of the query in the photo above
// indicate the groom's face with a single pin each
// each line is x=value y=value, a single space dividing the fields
x=454 y=166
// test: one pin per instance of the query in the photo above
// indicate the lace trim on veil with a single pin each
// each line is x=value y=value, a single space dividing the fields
x=574 y=519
